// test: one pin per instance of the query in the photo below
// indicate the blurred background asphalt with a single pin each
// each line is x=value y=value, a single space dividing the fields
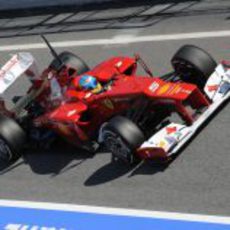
x=22 y=4
x=22 y=7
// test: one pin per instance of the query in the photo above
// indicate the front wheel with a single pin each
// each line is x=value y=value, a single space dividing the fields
x=122 y=137
x=194 y=65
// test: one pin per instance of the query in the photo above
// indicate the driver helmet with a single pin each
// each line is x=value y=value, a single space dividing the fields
x=90 y=83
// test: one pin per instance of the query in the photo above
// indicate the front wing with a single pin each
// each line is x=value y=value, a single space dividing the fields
x=170 y=139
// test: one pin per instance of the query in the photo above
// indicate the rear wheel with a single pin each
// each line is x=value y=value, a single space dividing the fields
x=74 y=62
x=193 y=65
x=12 y=139
x=122 y=137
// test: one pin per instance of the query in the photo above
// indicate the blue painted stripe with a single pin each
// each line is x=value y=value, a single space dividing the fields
x=69 y=220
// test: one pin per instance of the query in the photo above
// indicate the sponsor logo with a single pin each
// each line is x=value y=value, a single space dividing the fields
x=13 y=61
x=224 y=88
x=177 y=135
x=212 y=87
x=176 y=90
x=170 y=130
x=162 y=144
x=71 y=112
x=164 y=89
x=171 y=140
x=119 y=64
x=8 y=78
x=88 y=95
x=154 y=86
x=185 y=91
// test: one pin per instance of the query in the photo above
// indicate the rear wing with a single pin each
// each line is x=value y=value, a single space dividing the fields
x=18 y=65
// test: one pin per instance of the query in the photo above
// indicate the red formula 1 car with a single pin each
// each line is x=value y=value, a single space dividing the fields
x=135 y=117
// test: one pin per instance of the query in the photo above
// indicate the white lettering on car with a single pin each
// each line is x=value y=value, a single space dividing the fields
x=16 y=226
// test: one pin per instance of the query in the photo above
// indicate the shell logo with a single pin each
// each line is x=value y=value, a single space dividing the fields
x=175 y=90
x=163 y=89
x=162 y=144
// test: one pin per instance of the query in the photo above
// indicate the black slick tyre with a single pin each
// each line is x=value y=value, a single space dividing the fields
x=12 y=139
x=122 y=137
x=193 y=65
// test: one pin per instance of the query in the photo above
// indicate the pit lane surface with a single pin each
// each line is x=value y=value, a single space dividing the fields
x=196 y=182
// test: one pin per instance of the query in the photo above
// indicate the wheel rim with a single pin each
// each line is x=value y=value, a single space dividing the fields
x=116 y=145
x=5 y=152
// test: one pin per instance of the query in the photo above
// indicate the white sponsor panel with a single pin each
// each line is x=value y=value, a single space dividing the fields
x=218 y=83
x=167 y=137
x=14 y=68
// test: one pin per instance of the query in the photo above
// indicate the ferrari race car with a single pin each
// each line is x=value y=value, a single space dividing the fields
x=135 y=117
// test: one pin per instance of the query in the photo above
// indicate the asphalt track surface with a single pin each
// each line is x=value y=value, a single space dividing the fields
x=198 y=181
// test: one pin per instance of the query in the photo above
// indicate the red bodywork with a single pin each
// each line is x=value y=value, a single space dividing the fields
x=80 y=114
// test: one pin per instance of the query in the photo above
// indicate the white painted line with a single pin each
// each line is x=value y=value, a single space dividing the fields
x=119 y=40
x=116 y=211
